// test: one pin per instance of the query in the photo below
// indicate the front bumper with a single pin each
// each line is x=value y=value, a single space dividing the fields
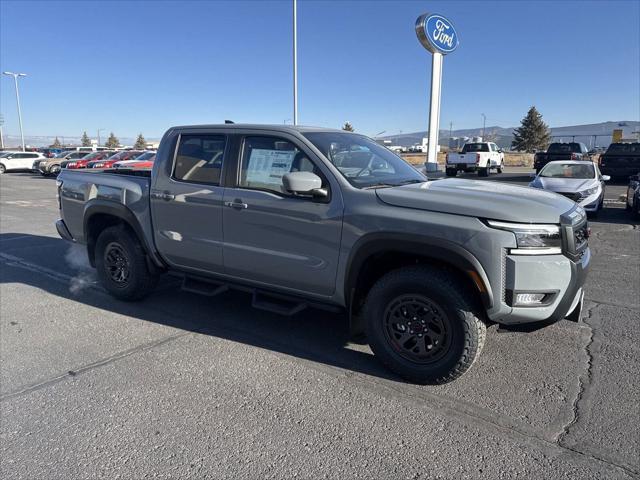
x=592 y=202
x=556 y=274
x=63 y=231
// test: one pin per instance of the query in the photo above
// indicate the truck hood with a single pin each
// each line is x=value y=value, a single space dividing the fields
x=493 y=200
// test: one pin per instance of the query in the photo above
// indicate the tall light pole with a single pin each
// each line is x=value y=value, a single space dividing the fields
x=1 y=136
x=15 y=80
x=295 y=62
x=484 y=124
x=100 y=130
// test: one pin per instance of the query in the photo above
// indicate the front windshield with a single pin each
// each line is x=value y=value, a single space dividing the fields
x=61 y=155
x=363 y=162
x=92 y=156
x=568 y=170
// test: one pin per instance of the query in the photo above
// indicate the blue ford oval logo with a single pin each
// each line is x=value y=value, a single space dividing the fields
x=436 y=33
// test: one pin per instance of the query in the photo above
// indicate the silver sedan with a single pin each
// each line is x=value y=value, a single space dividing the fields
x=581 y=181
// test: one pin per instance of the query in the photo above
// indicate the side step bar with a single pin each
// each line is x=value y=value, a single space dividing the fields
x=203 y=288
x=277 y=305
x=271 y=302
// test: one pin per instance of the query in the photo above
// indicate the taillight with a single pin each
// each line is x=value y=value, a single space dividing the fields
x=477 y=158
x=574 y=156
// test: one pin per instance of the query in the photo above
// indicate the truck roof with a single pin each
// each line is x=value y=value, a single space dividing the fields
x=262 y=126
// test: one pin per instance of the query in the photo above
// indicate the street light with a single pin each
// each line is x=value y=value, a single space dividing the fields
x=295 y=62
x=484 y=123
x=15 y=80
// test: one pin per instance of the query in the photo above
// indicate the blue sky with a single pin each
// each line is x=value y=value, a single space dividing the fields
x=143 y=66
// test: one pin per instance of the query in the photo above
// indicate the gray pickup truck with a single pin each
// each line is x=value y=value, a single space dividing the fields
x=308 y=217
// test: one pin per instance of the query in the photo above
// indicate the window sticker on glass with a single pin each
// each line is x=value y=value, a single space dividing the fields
x=268 y=166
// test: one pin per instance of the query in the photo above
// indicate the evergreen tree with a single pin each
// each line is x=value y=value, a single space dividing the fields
x=86 y=141
x=141 y=143
x=533 y=133
x=112 y=141
x=347 y=127
x=56 y=144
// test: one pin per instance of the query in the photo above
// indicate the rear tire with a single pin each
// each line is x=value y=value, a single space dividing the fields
x=3 y=169
x=423 y=324
x=451 y=172
x=122 y=264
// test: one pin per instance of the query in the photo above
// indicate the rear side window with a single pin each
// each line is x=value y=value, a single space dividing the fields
x=266 y=159
x=199 y=158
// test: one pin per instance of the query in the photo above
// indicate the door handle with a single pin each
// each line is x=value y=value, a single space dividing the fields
x=162 y=195
x=239 y=204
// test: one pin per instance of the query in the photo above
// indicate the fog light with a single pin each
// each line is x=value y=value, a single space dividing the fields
x=529 y=298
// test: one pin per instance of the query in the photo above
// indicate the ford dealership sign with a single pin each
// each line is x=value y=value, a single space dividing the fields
x=436 y=33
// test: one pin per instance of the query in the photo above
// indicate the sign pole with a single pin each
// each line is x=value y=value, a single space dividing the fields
x=438 y=36
x=434 y=112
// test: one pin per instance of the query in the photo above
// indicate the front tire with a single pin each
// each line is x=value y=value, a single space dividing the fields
x=3 y=169
x=483 y=172
x=122 y=266
x=501 y=167
x=423 y=324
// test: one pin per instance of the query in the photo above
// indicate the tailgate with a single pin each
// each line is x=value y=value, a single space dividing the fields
x=623 y=161
x=461 y=158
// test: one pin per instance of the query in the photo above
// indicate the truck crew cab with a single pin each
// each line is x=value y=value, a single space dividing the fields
x=308 y=217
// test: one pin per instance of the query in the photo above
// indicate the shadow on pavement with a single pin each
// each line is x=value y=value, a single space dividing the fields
x=312 y=335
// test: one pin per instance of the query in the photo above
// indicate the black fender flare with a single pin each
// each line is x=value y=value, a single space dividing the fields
x=118 y=210
x=442 y=251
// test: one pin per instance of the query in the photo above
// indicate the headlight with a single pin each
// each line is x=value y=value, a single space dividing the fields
x=589 y=191
x=533 y=239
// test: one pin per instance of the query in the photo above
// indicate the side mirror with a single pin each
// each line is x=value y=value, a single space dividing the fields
x=606 y=178
x=500 y=150
x=305 y=183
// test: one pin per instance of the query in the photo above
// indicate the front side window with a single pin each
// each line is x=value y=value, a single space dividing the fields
x=265 y=160
x=199 y=158
x=363 y=162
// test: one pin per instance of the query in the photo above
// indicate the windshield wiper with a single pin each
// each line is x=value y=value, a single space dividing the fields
x=413 y=180
x=379 y=185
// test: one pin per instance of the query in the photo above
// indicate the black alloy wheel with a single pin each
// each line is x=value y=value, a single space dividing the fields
x=416 y=327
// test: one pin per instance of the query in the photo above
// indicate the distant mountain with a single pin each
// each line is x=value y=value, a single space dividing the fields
x=503 y=136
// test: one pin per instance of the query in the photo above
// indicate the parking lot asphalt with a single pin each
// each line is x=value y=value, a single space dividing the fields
x=180 y=385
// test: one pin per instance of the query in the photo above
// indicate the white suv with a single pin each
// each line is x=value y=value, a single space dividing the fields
x=19 y=160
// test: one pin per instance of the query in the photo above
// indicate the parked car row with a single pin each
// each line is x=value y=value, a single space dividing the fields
x=136 y=159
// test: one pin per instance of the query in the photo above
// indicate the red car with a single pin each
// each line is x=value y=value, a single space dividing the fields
x=117 y=157
x=82 y=162
x=141 y=162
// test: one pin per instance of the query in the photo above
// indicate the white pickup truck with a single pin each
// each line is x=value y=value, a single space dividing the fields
x=475 y=157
